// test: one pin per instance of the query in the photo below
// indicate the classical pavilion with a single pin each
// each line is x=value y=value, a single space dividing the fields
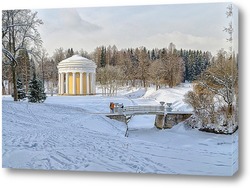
x=76 y=76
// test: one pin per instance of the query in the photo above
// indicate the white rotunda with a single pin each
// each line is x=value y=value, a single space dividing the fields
x=76 y=76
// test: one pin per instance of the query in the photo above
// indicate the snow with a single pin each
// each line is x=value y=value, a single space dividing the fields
x=171 y=95
x=71 y=133
x=75 y=58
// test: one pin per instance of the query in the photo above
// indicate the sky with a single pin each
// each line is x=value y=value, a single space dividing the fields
x=188 y=26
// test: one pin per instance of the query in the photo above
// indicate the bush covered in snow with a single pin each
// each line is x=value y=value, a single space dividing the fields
x=221 y=127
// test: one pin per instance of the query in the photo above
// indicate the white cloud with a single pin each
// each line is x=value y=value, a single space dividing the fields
x=187 y=41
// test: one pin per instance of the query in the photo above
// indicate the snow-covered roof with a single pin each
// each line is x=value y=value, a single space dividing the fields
x=76 y=61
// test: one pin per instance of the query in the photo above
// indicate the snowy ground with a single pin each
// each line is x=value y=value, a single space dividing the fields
x=68 y=133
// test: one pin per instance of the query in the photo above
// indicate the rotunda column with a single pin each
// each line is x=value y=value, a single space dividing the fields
x=87 y=80
x=92 y=83
x=81 y=84
x=62 y=83
x=74 y=83
x=67 y=83
x=59 y=84
x=93 y=86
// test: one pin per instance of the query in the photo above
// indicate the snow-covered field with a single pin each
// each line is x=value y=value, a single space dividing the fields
x=69 y=133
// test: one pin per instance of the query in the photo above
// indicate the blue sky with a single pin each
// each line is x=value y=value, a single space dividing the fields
x=188 y=26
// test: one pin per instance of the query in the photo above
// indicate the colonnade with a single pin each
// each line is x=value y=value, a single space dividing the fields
x=76 y=83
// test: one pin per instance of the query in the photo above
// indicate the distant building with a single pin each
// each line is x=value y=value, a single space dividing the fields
x=77 y=76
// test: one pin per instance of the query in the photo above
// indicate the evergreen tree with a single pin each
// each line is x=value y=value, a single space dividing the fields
x=103 y=57
x=72 y=52
x=153 y=56
x=184 y=56
x=36 y=91
x=69 y=53
x=20 y=90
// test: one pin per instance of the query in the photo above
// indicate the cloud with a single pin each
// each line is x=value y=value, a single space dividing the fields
x=65 y=22
x=70 y=20
x=64 y=28
x=187 y=41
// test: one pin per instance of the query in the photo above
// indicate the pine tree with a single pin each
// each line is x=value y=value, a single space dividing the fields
x=20 y=91
x=71 y=52
x=153 y=56
x=103 y=57
x=36 y=91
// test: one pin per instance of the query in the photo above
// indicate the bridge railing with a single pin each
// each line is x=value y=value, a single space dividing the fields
x=157 y=109
x=143 y=109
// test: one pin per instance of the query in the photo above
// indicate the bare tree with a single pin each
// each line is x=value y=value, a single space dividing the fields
x=143 y=68
x=156 y=73
x=173 y=66
x=59 y=55
x=110 y=78
x=203 y=103
x=24 y=68
x=84 y=53
x=42 y=67
x=229 y=28
x=19 y=32
x=221 y=78
x=96 y=56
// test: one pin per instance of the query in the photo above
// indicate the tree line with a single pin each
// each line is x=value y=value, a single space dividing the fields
x=136 y=67
x=143 y=67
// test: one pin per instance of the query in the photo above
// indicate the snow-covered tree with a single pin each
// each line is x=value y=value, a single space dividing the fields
x=20 y=90
x=24 y=68
x=19 y=32
x=36 y=91
x=215 y=93
x=221 y=78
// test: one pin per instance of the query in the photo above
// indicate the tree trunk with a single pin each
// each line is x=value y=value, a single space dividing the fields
x=133 y=83
x=13 y=69
x=230 y=110
x=144 y=83
x=3 y=89
x=26 y=79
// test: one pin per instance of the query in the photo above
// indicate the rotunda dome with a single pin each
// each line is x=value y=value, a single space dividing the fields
x=76 y=61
